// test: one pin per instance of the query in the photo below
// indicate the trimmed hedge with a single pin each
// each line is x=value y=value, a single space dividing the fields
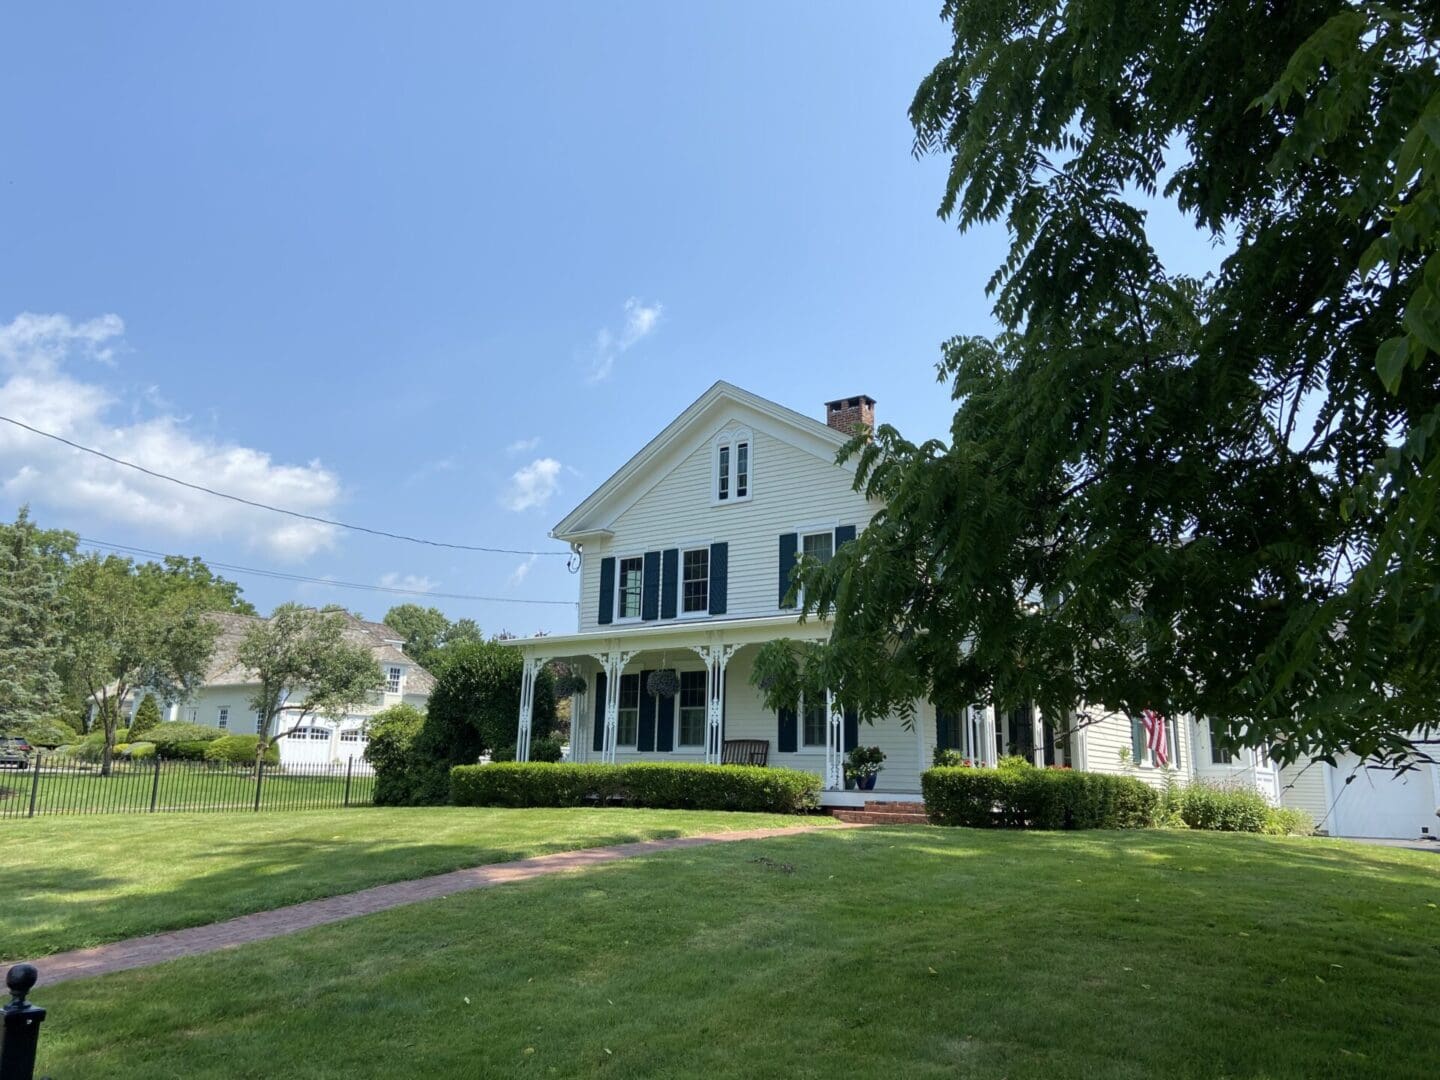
x=656 y=785
x=182 y=741
x=240 y=750
x=1037 y=799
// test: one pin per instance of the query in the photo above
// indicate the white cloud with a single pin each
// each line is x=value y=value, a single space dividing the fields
x=35 y=351
x=640 y=321
x=409 y=582
x=522 y=571
x=521 y=446
x=532 y=485
x=430 y=468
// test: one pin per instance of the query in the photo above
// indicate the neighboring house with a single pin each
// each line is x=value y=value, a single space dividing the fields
x=686 y=558
x=1365 y=798
x=223 y=699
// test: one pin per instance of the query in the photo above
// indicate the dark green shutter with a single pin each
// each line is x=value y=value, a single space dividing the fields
x=645 y=739
x=789 y=548
x=719 y=577
x=789 y=735
x=665 y=724
x=1137 y=740
x=650 y=593
x=607 y=590
x=843 y=535
x=669 y=582
x=599 y=741
x=852 y=729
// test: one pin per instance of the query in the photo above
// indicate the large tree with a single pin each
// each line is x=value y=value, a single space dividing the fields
x=32 y=649
x=429 y=631
x=176 y=575
x=127 y=630
x=304 y=664
x=1217 y=494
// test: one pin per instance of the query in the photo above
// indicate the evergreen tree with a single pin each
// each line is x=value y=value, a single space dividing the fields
x=147 y=716
x=32 y=567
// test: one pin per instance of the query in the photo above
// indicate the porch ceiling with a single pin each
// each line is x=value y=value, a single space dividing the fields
x=679 y=633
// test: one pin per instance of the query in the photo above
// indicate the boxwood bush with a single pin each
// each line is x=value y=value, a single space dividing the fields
x=650 y=784
x=239 y=750
x=182 y=741
x=1034 y=798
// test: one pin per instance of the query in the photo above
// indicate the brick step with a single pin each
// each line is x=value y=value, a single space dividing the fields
x=877 y=817
x=897 y=807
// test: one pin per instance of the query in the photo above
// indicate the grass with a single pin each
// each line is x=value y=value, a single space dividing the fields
x=910 y=952
x=71 y=882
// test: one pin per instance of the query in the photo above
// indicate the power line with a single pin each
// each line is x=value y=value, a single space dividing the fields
x=281 y=575
x=267 y=506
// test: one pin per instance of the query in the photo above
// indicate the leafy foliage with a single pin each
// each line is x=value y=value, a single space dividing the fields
x=32 y=650
x=1209 y=495
x=183 y=741
x=239 y=750
x=428 y=632
x=147 y=715
x=305 y=665
x=391 y=752
x=657 y=785
x=1037 y=799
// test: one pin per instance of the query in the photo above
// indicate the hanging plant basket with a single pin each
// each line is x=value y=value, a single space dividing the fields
x=567 y=686
x=663 y=683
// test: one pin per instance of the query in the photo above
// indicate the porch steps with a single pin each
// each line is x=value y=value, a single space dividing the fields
x=883 y=813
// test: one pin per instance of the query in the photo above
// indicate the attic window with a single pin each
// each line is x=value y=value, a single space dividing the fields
x=733 y=458
x=392 y=680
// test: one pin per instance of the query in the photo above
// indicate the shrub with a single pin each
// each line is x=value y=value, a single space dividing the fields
x=1027 y=797
x=1223 y=808
x=147 y=716
x=546 y=748
x=950 y=759
x=657 y=785
x=1283 y=821
x=503 y=753
x=391 y=752
x=239 y=750
x=182 y=741
x=140 y=751
x=92 y=747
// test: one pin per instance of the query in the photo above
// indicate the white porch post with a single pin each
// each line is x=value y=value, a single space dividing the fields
x=1038 y=727
x=987 y=737
x=717 y=659
x=579 y=728
x=527 y=706
x=614 y=663
x=834 y=743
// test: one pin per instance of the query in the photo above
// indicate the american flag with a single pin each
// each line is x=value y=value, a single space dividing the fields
x=1156 y=737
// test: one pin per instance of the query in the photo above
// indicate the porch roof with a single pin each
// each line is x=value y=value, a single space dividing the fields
x=672 y=633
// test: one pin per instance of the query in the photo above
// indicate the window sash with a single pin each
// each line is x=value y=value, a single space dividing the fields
x=723 y=488
x=1219 y=755
x=222 y=717
x=812 y=725
x=742 y=470
x=631 y=588
x=692 y=708
x=627 y=724
x=696 y=581
x=392 y=680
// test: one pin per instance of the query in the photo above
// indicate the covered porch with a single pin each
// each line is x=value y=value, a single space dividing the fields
x=715 y=715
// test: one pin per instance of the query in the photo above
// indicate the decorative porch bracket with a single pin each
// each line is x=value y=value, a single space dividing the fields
x=834 y=744
x=614 y=665
x=717 y=659
x=531 y=668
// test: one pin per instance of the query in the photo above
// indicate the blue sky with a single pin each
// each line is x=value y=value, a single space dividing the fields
x=440 y=268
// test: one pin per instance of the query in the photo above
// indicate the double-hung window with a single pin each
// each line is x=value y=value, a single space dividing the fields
x=695 y=591
x=733 y=466
x=222 y=717
x=628 y=595
x=742 y=469
x=819 y=546
x=813 y=722
x=1219 y=753
x=692 y=708
x=722 y=492
x=393 y=676
x=627 y=730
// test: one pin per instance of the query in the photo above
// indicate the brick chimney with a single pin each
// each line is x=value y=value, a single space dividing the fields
x=851 y=415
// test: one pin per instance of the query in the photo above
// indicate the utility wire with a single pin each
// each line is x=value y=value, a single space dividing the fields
x=267 y=506
x=281 y=575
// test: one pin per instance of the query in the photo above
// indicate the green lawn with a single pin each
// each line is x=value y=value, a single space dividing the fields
x=67 y=882
x=905 y=952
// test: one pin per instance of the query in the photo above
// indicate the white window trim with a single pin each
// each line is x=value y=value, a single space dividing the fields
x=680 y=612
x=704 y=714
x=621 y=708
x=732 y=438
x=222 y=717
x=800 y=745
x=615 y=607
x=1148 y=756
x=399 y=672
x=801 y=533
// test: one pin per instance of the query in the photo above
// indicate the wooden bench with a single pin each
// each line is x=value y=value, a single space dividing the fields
x=745 y=752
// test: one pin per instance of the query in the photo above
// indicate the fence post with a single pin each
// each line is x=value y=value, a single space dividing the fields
x=349 y=768
x=259 y=779
x=35 y=785
x=155 y=785
x=21 y=1032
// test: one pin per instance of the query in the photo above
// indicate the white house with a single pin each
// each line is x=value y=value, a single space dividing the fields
x=223 y=699
x=686 y=558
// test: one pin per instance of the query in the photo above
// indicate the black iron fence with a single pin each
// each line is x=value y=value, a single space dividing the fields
x=51 y=784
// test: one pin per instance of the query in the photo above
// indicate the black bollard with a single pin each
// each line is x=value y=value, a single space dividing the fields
x=21 y=1032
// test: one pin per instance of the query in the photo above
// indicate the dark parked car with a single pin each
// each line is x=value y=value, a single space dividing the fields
x=14 y=752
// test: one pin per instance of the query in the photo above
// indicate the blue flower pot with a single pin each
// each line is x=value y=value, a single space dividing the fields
x=867 y=783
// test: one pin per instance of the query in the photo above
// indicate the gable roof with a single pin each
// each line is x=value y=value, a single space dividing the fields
x=696 y=423
x=226 y=670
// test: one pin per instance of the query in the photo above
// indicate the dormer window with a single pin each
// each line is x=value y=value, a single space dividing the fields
x=393 y=675
x=733 y=457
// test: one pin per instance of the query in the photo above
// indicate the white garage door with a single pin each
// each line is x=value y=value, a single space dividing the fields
x=1382 y=802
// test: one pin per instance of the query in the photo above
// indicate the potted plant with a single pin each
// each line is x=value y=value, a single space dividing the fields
x=663 y=683
x=862 y=765
x=567 y=686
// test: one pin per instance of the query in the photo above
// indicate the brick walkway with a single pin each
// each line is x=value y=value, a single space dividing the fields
x=158 y=948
